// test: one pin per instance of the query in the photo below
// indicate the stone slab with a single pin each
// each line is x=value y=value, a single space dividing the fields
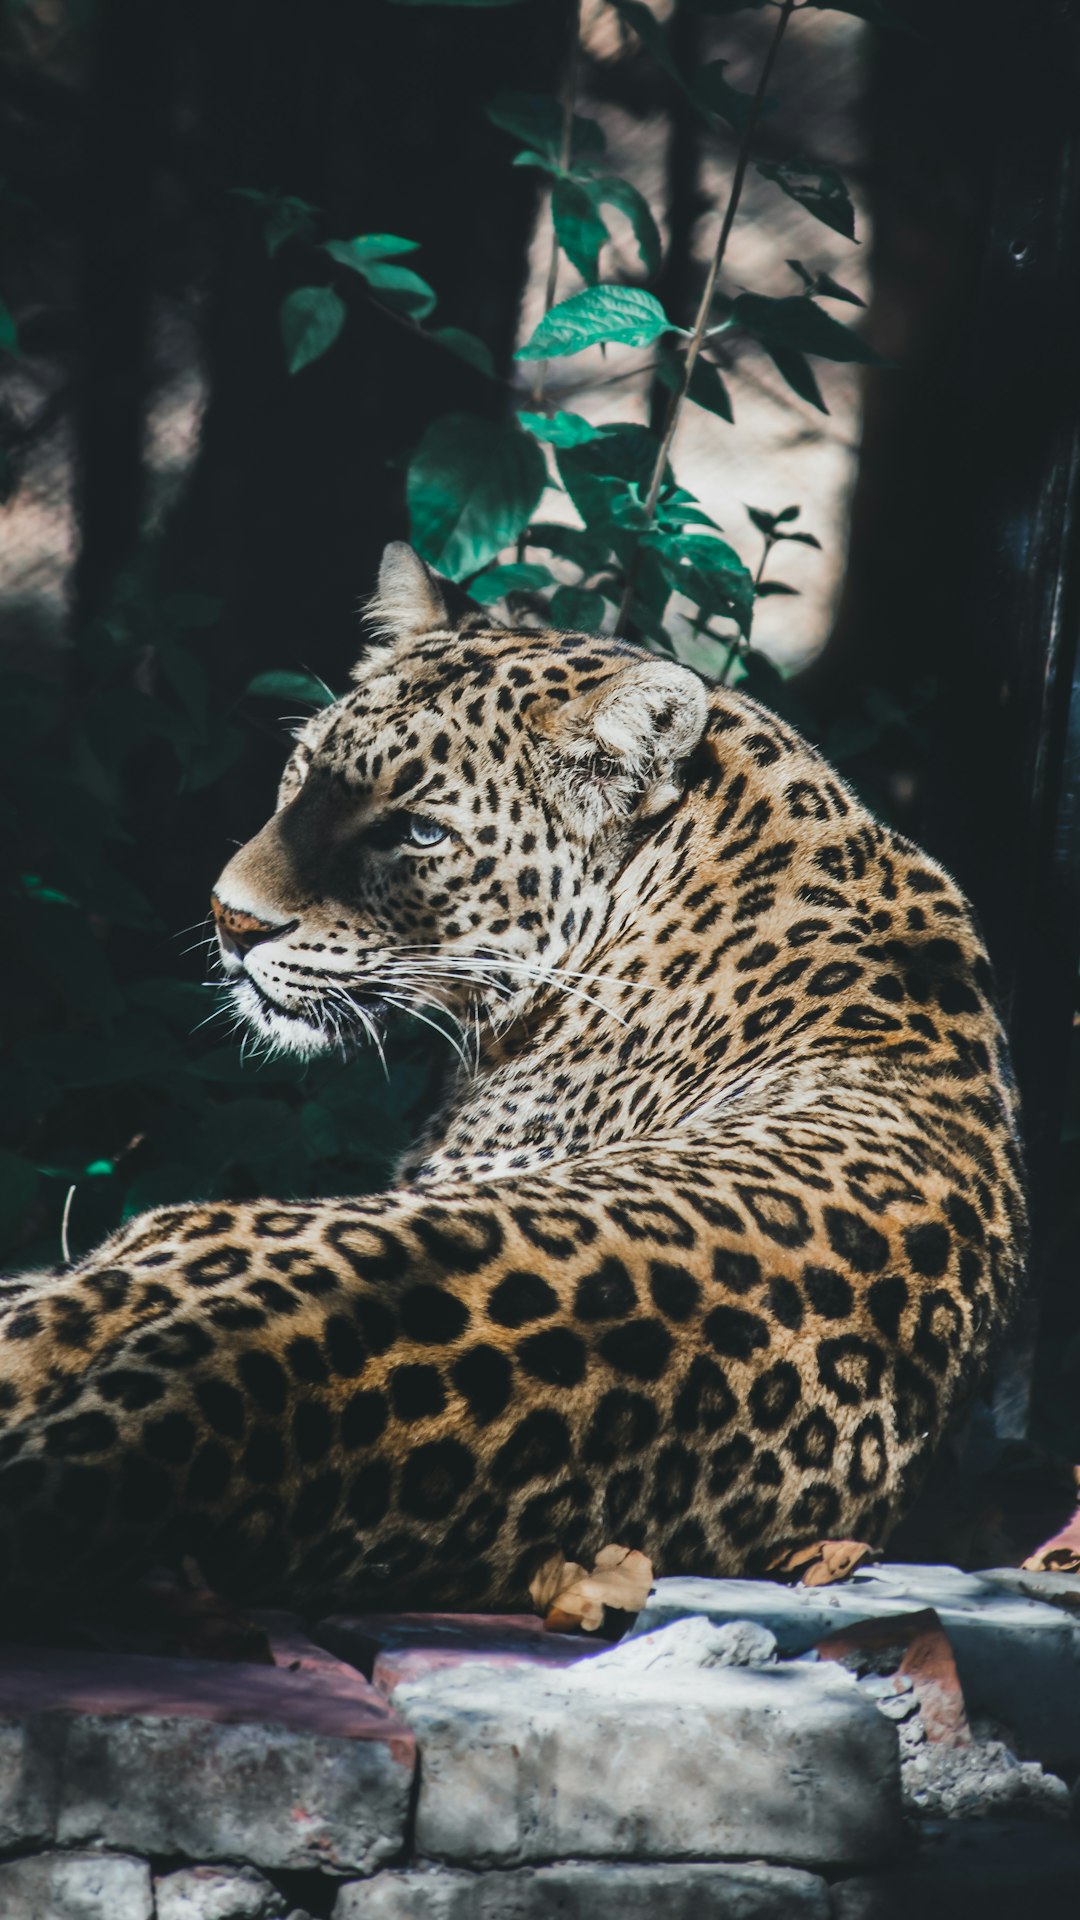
x=579 y=1891
x=1018 y=1658
x=522 y=1764
x=216 y=1893
x=75 y=1886
x=201 y=1759
x=393 y=1647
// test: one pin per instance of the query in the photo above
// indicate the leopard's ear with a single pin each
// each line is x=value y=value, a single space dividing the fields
x=409 y=598
x=624 y=742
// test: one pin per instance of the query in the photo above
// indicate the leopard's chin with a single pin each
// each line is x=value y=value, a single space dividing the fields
x=339 y=1027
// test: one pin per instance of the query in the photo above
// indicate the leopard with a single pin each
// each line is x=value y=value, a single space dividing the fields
x=713 y=1229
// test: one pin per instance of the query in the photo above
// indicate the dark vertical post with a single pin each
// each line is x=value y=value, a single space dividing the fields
x=1004 y=796
x=122 y=150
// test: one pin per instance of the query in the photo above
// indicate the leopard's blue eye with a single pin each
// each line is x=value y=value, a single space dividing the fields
x=406 y=830
x=421 y=831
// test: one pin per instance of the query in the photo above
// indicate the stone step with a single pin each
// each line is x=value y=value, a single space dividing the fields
x=1018 y=1658
x=391 y=1647
x=202 y=1759
x=576 y=1891
x=531 y=1764
x=76 y=1886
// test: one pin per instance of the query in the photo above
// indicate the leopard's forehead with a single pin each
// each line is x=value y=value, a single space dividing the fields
x=505 y=668
x=449 y=692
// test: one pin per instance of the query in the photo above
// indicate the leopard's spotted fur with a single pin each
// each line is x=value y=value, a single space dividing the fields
x=700 y=1256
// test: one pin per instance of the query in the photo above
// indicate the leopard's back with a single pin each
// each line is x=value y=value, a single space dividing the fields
x=702 y=1254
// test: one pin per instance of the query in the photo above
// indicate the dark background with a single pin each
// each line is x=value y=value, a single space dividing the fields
x=131 y=755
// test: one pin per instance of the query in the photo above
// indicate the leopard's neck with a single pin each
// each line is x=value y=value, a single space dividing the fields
x=735 y=952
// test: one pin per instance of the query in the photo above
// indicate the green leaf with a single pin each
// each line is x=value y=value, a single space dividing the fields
x=579 y=229
x=559 y=429
x=537 y=119
x=608 y=477
x=764 y=522
x=797 y=371
x=287 y=219
x=518 y=576
x=286 y=684
x=9 y=332
x=824 y=285
x=623 y=315
x=472 y=487
x=709 y=92
x=820 y=190
x=466 y=346
x=708 y=571
x=797 y=323
x=366 y=248
x=706 y=388
x=400 y=288
x=804 y=539
x=584 y=547
x=830 y=289
x=678 y=508
x=768 y=587
x=613 y=192
x=577 y=610
x=310 y=319
x=713 y=95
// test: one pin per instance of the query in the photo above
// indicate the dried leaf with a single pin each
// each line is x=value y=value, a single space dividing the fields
x=568 y=1597
x=1061 y=1554
x=822 y=1564
x=1053 y=1559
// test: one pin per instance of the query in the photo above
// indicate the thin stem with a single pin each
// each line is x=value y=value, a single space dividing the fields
x=765 y=552
x=697 y=340
x=569 y=98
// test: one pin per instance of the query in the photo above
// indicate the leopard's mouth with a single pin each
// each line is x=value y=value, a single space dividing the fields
x=316 y=1023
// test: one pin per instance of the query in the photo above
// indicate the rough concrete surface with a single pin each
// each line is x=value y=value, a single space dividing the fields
x=216 y=1893
x=787 y=1763
x=596 y=1891
x=201 y=1759
x=1018 y=1658
x=75 y=1886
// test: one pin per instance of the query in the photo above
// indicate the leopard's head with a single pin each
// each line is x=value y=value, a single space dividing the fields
x=447 y=835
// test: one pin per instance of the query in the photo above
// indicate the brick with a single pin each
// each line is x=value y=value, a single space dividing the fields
x=28 y=1783
x=75 y=1886
x=394 y=1647
x=917 y=1646
x=216 y=1893
x=205 y=1760
x=790 y=1764
x=1018 y=1658
x=578 y=1891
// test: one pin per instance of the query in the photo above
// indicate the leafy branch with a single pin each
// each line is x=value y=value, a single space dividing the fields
x=701 y=323
x=474 y=485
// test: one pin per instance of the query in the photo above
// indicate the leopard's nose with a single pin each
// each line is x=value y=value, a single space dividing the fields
x=239 y=932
